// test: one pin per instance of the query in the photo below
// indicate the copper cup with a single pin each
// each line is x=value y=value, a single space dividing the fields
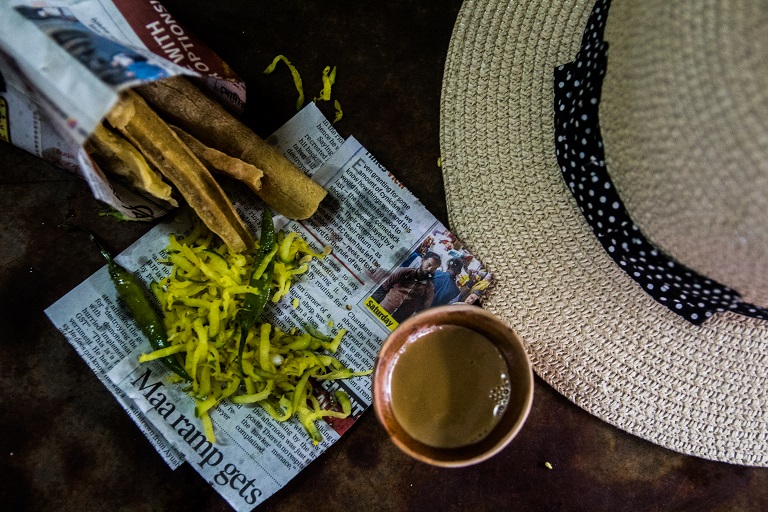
x=520 y=378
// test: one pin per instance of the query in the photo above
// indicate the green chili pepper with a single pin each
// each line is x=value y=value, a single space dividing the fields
x=132 y=292
x=254 y=302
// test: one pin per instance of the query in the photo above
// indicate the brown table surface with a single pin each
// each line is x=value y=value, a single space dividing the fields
x=67 y=444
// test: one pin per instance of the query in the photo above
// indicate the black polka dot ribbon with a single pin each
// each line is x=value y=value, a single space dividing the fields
x=580 y=154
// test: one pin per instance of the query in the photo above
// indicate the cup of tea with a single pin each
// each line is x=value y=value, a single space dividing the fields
x=452 y=385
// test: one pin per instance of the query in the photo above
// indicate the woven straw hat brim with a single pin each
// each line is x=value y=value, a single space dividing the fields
x=592 y=332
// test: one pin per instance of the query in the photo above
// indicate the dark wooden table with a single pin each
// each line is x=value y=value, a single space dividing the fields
x=66 y=443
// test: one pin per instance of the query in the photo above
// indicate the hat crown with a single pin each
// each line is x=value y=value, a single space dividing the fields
x=684 y=118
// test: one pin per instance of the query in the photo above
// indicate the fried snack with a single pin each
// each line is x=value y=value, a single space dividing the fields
x=115 y=154
x=162 y=147
x=284 y=187
x=217 y=161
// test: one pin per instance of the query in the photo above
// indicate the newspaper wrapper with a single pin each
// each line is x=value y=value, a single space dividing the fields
x=374 y=225
x=63 y=63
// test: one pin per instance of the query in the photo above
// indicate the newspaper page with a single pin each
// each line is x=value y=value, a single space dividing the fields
x=63 y=63
x=378 y=232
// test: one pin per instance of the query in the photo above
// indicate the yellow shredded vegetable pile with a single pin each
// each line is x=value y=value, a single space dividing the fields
x=200 y=300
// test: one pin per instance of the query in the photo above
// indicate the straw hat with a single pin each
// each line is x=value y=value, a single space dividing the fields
x=631 y=255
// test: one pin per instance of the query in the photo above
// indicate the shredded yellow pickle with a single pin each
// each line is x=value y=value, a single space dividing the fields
x=329 y=78
x=296 y=77
x=339 y=113
x=201 y=298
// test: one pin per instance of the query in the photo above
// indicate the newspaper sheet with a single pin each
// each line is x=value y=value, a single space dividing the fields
x=376 y=228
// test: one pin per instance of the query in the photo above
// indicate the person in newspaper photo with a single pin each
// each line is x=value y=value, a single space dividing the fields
x=409 y=290
x=475 y=286
x=444 y=283
x=420 y=252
